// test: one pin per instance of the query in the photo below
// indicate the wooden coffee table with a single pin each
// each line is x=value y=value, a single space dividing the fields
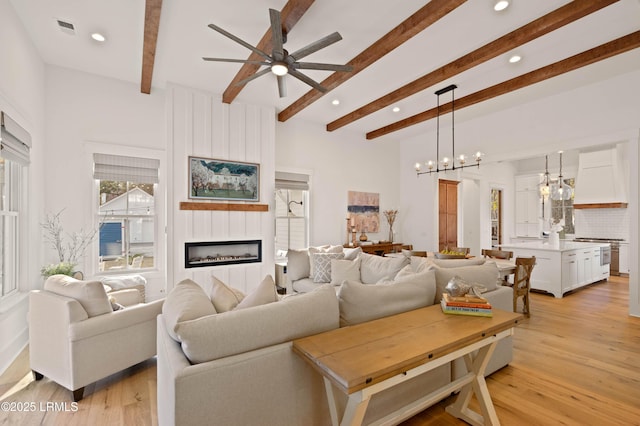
x=413 y=343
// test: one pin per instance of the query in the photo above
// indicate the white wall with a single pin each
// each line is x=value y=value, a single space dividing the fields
x=86 y=113
x=199 y=124
x=339 y=162
x=22 y=97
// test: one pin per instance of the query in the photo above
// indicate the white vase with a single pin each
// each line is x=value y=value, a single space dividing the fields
x=554 y=239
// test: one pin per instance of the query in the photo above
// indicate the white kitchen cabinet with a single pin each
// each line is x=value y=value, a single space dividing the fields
x=528 y=207
x=562 y=267
x=624 y=258
x=570 y=267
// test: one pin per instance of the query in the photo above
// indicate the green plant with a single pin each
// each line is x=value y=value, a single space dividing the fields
x=63 y=268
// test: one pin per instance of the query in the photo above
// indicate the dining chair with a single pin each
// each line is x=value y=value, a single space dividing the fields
x=497 y=254
x=522 y=282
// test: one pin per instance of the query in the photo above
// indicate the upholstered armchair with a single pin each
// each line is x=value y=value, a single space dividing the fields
x=76 y=338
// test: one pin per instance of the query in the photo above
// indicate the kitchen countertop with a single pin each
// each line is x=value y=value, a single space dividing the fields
x=546 y=246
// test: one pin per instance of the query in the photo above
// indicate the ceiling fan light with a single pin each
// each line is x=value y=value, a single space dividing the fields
x=500 y=5
x=279 y=68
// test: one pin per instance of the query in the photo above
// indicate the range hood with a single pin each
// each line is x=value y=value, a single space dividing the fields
x=601 y=181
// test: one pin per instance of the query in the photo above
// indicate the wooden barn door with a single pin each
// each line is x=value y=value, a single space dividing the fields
x=448 y=213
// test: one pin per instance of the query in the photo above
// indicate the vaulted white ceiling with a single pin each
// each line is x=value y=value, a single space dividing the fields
x=184 y=38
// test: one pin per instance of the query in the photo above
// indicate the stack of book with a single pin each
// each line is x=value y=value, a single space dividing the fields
x=466 y=305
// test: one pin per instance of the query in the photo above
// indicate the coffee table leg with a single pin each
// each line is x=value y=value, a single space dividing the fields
x=354 y=411
x=478 y=385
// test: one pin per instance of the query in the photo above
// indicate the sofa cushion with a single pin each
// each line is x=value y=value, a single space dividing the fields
x=342 y=270
x=265 y=293
x=321 y=266
x=90 y=294
x=360 y=302
x=486 y=275
x=352 y=253
x=186 y=301
x=298 y=266
x=375 y=268
x=121 y=282
x=217 y=336
x=126 y=297
x=224 y=297
x=321 y=249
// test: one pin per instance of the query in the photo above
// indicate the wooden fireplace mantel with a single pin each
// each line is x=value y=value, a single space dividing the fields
x=232 y=207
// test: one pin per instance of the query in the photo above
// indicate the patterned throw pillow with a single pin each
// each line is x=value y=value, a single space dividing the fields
x=321 y=266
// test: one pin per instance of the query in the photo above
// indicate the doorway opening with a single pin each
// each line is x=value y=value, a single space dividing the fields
x=496 y=217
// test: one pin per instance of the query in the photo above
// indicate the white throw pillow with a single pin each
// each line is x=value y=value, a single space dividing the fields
x=187 y=301
x=265 y=293
x=375 y=268
x=352 y=253
x=90 y=294
x=321 y=249
x=321 y=266
x=342 y=270
x=224 y=297
x=360 y=302
x=298 y=264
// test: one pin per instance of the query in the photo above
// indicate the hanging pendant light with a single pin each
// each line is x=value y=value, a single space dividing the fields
x=561 y=191
x=447 y=163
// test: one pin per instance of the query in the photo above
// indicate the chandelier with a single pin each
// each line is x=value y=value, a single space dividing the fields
x=447 y=163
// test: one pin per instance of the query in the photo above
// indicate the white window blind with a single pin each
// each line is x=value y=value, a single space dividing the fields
x=15 y=142
x=125 y=169
x=286 y=180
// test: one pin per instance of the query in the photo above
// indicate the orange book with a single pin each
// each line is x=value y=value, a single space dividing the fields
x=466 y=301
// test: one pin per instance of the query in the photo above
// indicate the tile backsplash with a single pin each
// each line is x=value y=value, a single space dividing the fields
x=602 y=223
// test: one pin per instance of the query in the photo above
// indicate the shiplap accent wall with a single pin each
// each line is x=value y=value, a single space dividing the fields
x=199 y=124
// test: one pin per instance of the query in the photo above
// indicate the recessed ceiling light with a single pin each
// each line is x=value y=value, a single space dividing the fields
x=98 y=37
x=396 y=109
x=515 y=58
x=335 y=102
x=500 y=5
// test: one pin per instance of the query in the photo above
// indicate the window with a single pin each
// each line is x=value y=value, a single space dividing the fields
x=126 y=212
x=14 y=160
x=291 y=206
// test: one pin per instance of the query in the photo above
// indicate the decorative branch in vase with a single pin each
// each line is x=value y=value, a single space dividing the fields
x=391 y=218
x=71 y=247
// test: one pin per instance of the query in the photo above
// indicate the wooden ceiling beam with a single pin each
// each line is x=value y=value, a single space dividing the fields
x=552 y=21
x=151 y=27
x=604 y=51
x=290 y=15
x=423 y=18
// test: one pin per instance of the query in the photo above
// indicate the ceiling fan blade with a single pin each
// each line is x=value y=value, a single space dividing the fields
x=307 y=80
x=239 y=41
x=241 y=61
x=282 y=86
x=254 y=76
x=323 y=67
x=315 y=46
x=276 y=34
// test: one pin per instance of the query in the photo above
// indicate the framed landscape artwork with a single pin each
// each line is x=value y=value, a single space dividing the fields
x=211 y=179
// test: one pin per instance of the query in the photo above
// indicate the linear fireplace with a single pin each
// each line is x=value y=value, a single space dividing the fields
x=214 y=253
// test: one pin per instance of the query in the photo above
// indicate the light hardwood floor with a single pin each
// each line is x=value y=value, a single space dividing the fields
x=576 y=362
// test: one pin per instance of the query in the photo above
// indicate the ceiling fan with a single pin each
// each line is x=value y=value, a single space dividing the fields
x=281 y=62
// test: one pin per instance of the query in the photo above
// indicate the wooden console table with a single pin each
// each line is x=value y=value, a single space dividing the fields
x=413 y=343
x=381 y=248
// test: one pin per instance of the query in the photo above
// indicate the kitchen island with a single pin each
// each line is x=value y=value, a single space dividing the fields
x=564 y=266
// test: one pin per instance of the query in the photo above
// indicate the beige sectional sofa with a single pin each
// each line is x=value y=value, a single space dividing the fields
x=220 y=362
